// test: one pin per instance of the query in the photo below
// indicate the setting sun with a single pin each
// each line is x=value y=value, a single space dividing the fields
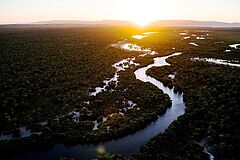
x=142 y=21
x=142 y=12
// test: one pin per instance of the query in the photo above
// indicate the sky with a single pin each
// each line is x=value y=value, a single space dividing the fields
x=139 y=11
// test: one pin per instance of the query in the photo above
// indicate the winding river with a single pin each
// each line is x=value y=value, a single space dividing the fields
x=129 y=144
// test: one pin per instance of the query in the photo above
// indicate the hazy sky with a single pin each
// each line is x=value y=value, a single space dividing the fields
x=22 y=11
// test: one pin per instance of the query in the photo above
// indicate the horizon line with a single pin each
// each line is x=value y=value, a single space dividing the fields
x=39 y=21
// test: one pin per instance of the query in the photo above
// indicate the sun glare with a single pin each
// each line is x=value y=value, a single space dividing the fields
x=143 y=12
x=142 y=22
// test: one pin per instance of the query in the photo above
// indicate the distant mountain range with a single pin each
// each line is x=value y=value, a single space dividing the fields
x=184 y=23
x=79 y=22
x=194 y=23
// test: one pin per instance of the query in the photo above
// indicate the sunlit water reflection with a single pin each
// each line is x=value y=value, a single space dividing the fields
x=217 y=61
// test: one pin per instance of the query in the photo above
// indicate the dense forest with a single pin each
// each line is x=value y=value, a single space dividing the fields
x=211 y=92
x=47 y=74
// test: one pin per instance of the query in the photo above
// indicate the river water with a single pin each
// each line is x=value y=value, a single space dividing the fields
x=131 y=143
